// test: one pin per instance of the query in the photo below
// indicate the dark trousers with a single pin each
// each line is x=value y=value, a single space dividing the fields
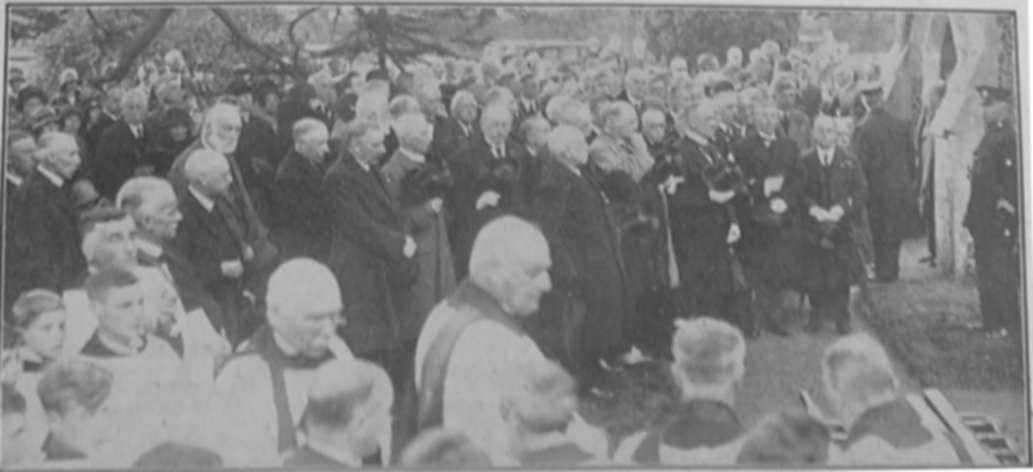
x=768 y=309
x=398 y=363
x=887 y=260
x=997 y=270
x=830 y=304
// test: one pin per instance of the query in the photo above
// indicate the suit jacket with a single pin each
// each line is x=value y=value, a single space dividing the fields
x=95 y=131
x=887 y=154
x=186 y=279
x=45 y=252
x=300 y=228
x=841 y=183
x=206 y=239
x=119 y=155
x=699 y=226
x=797 y=126
x=587 y=262
x=367 y=238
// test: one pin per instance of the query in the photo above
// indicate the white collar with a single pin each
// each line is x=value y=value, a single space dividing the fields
x=148 y=247
x=363 y=165
x=412 y=156
x=698 y=138
x=345 y=457
x=203 y=199
x=830 y=152
x=14 y=178
x=52 y=176
x=500 y=147
x=573 y=168
x=766 y=137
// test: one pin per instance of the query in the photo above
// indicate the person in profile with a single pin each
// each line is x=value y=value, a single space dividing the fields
x=348 y=416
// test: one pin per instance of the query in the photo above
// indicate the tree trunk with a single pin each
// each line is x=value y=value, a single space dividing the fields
x=156 y=20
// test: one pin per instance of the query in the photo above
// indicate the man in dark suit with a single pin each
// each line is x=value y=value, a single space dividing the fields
x=887 y=154
x=704 y=225
x=770 y=164
x=121 y=150
x=45 y=251
x=529 y=101
x=486 y=178
x=300 y=228
x=370 y=253
x=571 y=209
x=211 y=236
x=795 y=124
x=833 y=195
x=109 y=115
x=992 y=216
x=256 y=149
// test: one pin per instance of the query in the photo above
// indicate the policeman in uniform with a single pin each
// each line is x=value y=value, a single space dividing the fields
x=992 y=215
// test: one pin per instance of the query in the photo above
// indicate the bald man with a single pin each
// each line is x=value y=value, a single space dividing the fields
x=263 y=391
x=211 y=237
x=121 y=149
x=472 y=344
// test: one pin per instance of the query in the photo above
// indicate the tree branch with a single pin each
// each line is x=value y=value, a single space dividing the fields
x=265 y=51
x=290 y=31
x=156 y=20
x=96 y=22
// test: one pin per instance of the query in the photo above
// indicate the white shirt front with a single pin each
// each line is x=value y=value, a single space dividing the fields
x=52 y=176
x=207 y=203
x=826 y=155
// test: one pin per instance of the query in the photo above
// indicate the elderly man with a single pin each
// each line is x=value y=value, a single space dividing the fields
x=121 y=149
x=211 y=238
x=883 y=429
x=834 y=194
x=533 y=133
x=486 y=180
x=636 y=86
x=371 y=251
x=620 y=147
x=301 y=229
x=704 y=428
x=111 y=101
x=771 y=166
x=794 y=123
x=472 y=345
x=348 y=414
x=679 y=68
x=572 y=211
x=887 y=154
x=704 y=224
x=263 y=391
x=44 y=251
x=153 y=206
x=418 y=187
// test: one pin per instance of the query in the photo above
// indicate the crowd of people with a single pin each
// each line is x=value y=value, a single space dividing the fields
x=434 y=267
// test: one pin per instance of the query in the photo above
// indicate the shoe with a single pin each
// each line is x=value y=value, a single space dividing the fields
x=634 y=356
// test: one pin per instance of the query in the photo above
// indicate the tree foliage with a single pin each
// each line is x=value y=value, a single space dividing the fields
x=689 y=32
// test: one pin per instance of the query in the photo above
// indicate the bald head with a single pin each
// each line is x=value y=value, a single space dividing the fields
x=510 y=260
x=708 y=353
x=207 y=172
x=858 y=374
x=306 y=314
x=567 y=145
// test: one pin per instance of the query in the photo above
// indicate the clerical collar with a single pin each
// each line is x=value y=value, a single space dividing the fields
x=203 y=199
x=52 y=176
x=335 y=453
x=412 y=156
x=14 y=178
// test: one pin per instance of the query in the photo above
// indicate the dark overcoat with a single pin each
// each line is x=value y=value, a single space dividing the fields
x=887 y=153
x=300 y=225
x=367 y=237
x=117 y=157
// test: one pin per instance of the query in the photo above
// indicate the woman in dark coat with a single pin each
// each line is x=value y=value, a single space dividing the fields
x=173 y=138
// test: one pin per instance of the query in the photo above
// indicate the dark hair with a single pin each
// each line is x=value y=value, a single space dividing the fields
x=27 y=93
x=67 y=113
x=238 y=87
x=177 y=456
x=13 y=401
x=98 y=285
x=72 y=383
x=33 y=303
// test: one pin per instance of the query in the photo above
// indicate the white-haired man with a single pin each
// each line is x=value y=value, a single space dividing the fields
x=210 y=235
x=620 y=147
x=300 y=228
x=882 y=426
x=120 y=152
x=45 y=251
x=572 y=211
x=472 y=344
x=262 y=391
x=704 y=428
x=636 y=85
